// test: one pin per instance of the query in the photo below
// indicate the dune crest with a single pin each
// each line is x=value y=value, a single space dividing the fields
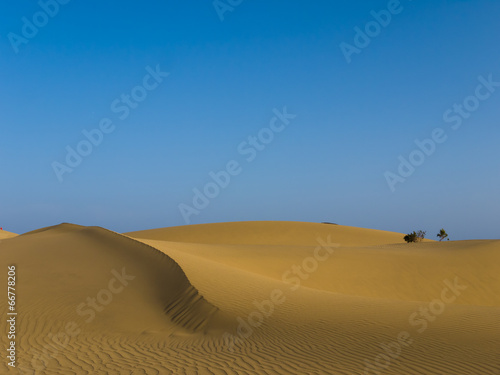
x=270 y=233
x=88 y=254
x=6 y=234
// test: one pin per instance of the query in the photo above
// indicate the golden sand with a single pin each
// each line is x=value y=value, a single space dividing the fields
x=6 y=234
x=252 y=298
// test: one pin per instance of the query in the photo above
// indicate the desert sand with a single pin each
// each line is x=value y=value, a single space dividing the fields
x=6 y=234
x=251 y=298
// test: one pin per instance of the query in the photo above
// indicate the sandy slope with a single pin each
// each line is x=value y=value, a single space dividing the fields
x=404 y=272
x=136 y=290
x=200 y=301
x=5 y=234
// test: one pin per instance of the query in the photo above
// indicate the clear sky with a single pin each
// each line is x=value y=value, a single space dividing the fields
x=355 y=84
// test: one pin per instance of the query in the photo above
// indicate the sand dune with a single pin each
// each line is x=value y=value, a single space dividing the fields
x=404 y=272
x=135 y=289
x=254 y=298
x=6 y=234
x=270 y=233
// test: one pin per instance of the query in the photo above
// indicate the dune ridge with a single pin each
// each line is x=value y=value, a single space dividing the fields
x=78 y=262
x=6 y=234
x=270 y=233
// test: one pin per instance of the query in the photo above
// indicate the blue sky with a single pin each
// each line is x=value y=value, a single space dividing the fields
x=230 y=69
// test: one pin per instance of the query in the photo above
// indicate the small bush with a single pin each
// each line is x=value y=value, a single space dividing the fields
x=415 y=236
x=420 y=235
x=411 y=237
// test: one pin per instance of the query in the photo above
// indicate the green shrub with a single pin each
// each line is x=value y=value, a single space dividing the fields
x=415 y=236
